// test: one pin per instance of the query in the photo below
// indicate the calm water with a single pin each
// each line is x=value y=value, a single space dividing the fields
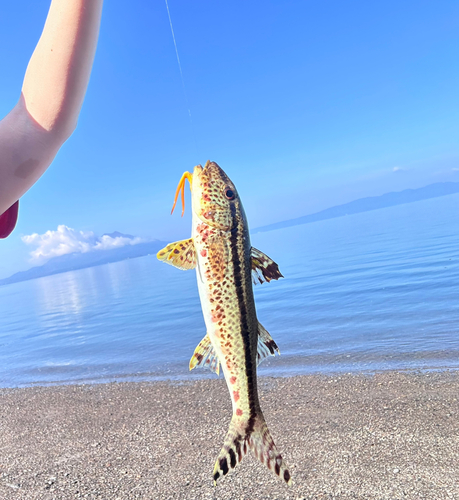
x=366 y=292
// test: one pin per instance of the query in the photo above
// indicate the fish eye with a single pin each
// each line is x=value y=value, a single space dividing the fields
x=229 y=193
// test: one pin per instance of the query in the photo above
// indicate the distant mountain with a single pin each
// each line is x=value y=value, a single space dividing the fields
x=74 y=261
x=117 y=234
x=370 y=203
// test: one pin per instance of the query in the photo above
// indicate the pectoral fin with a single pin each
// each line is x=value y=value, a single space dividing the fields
x=266 y=345
x=263 y=268
x=205 y=356
x=181 y=254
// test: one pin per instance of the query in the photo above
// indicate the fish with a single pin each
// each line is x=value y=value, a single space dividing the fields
x=226 y=267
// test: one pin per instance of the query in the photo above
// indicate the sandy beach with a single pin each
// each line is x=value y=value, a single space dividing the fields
x=386 y=436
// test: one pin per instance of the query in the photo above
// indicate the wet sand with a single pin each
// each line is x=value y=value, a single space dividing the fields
x=387 y=436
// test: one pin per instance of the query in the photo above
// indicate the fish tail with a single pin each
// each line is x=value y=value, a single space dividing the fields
x=234 y=448
x=255 y=436
x=261 y=443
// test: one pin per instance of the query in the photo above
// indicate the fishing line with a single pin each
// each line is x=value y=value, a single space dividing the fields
x=181 y=76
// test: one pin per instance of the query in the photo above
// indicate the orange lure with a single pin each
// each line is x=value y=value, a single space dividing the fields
x=181 y=187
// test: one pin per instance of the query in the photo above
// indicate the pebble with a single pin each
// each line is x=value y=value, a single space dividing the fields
x=313 y=423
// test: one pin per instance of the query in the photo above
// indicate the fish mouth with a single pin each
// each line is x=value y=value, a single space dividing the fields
x=198 y=170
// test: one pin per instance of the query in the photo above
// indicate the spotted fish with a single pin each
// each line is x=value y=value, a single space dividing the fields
x=225 y=265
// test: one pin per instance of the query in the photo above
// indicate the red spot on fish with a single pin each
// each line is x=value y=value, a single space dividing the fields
x=239 y=412
x=236 y=395
x=232 y=380
x=204 y=252
x=204 y=236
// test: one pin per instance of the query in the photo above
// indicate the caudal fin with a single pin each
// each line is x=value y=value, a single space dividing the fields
x=242 y=436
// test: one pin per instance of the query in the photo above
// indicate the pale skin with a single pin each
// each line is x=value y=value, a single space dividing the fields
x=52 y=94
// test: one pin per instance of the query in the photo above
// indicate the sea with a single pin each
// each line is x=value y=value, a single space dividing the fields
x=362 y=293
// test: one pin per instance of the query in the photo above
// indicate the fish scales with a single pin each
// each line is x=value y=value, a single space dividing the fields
x=230 y=318
x=225 y=261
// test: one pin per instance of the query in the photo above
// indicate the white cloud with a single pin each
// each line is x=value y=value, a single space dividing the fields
x=455 y=169
x=67 y=240
x=398 y=169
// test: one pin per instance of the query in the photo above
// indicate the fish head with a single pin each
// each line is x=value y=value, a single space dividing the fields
x=215 y=198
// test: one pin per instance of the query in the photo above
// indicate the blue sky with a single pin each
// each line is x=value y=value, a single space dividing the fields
x=305 y=104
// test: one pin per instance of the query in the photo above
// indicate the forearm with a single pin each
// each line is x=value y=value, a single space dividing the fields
x=58 y=72
x=52 y=94
x=26 y=151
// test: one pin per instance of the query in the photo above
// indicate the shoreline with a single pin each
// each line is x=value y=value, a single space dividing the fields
x=278 y=367
x=387 y=435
